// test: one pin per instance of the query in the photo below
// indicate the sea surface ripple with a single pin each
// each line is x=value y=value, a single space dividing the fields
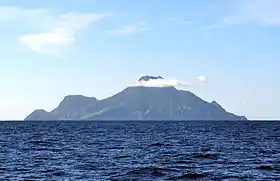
x=135 y=150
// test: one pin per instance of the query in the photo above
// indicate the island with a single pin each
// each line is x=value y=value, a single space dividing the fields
x=138 y=103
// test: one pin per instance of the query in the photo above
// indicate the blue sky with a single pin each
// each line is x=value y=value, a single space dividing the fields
x=50 y=49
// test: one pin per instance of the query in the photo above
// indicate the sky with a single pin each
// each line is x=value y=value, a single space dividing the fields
x=50 y=49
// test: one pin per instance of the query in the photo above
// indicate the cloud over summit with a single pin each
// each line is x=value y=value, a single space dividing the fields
x=169 y=82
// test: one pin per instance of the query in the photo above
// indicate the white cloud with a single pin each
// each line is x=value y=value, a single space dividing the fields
x=53 y=31
x=160 y=83
x=134 y=28
x=261 y=12
x=214 y=26
x=169 y=82
x=179 y=21
x=202 y=78
x=10 y=13
x=49 y=42
x=182 y=22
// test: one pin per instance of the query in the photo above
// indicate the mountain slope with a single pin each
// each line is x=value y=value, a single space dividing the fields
x=140 y=103
x=74 y=107
x=151 y=103
x=40 y=114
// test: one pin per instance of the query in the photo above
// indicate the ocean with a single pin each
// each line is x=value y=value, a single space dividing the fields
x=135 y=150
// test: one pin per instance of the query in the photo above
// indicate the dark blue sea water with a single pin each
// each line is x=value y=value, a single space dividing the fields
x=139 y=151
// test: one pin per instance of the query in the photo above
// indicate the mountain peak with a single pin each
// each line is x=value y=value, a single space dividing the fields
x=72 y=106
x=40 y=114
x=217 y=105
x=148 y=77
x=148 y=90
x=76 y=100
x=77 y=96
